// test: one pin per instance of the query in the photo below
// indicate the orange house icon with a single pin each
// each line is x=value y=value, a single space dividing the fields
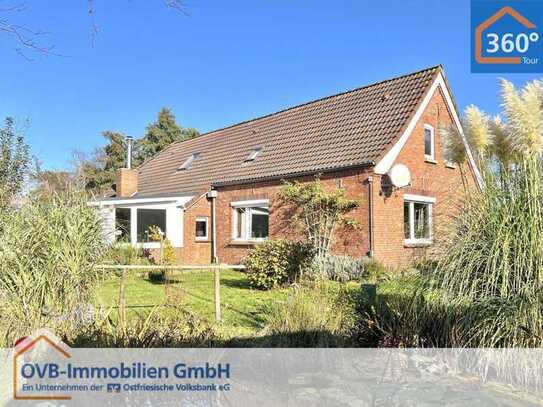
x=486 y=24
x=27 y=346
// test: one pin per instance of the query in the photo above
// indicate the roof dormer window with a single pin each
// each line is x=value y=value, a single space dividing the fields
x=187 y=165
x=253 y=154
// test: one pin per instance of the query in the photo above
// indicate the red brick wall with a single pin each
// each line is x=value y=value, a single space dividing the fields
x=126 y=182
x=196 y=251
x=354 y=243
x=430 y=179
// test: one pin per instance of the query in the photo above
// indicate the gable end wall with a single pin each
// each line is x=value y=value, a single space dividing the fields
x=430 y=179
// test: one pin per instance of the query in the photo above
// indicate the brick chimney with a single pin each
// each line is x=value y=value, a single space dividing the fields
x=126 y=182
x=127 y=178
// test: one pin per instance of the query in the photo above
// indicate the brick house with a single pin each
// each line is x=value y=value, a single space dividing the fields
x=214 y=195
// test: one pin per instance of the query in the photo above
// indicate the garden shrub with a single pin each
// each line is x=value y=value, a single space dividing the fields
x=157 y=276
x=276 y=262
x=318 y=315
x=405 y=312
x=375 y=271
x=167 y=253
x=385 y=315
x=339 y=268
x=166 y=256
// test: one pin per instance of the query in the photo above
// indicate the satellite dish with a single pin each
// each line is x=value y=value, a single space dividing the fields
x=400 y=176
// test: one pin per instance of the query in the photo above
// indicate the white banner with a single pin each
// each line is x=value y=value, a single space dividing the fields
x=44 y=371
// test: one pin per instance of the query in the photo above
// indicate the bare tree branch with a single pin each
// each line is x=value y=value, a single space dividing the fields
x=26 y=37
x=178 y=5
x=14 y=8
x=29 y=39
x=94 y=27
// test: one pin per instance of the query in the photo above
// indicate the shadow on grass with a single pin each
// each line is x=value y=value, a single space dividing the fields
x=301 y=339
x=255 y=321
x=239 y=283
x=163 y=282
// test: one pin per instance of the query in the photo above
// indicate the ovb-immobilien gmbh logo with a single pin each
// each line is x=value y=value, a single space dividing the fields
x=506 y=36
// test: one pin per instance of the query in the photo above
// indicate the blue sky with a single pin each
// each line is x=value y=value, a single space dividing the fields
x=227 y=62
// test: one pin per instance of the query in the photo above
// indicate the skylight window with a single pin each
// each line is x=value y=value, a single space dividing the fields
x=253 y=154
x=187 y=165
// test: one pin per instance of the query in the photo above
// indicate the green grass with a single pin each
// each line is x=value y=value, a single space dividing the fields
x=242 y=308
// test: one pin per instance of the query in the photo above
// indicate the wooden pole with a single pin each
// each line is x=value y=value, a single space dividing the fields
x=122 y=301
x=217 y=284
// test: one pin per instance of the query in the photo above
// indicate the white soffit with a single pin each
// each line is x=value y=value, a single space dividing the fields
x=177 y=200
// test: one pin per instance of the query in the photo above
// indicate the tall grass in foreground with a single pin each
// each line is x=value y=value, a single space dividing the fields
x=491 y=275
x=493 y=267
x=498 y=240
x=48 y=249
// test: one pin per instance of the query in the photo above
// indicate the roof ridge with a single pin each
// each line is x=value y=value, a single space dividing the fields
x=209 y=133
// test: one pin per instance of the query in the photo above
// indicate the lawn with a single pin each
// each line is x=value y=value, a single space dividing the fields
x=243 y=308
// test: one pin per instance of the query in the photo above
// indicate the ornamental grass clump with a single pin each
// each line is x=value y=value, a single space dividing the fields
x=49 y=248
x=492 y=265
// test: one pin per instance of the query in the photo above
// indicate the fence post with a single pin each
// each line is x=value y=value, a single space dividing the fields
x=217 y=284
x=122 y=301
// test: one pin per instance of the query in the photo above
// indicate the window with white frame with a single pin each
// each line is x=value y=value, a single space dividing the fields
x=122 y=224
x=417 y=214
x=250 y=220
x=148 y=218
x=429 y=142
x=201 y=228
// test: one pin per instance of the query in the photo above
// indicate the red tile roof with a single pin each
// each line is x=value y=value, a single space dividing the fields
x=353 y=128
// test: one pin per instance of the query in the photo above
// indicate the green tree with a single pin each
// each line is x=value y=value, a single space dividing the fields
x=161 y=133
x=14 y=162
x=97 y=171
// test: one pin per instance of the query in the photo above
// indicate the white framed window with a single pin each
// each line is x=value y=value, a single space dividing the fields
x=429 y=143
x=148 y=218
x=417 y=215
x=133 y=224
x=123 y=224
x=202 y=228
x=250 y=220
